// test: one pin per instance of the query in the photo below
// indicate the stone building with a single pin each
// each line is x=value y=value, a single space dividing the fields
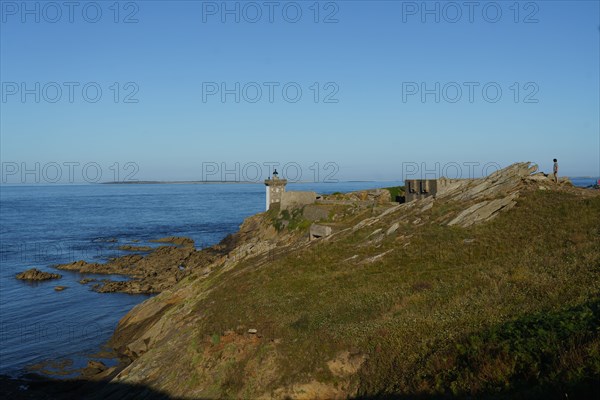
x=421 y=188
x=275 y=193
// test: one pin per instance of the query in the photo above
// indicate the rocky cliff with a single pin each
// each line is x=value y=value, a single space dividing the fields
x=400 y=299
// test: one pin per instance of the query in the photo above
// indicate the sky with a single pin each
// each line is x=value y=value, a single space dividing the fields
x=346 y=90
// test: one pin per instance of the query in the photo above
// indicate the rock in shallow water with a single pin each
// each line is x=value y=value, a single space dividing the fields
x=128 y=247
x=93 y=368
x=35 y=274
x=176 y=240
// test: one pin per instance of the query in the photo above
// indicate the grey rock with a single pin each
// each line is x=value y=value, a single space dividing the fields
x=483 y=211
x=392 y=228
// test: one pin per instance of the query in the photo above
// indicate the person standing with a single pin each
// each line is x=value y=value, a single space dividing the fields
x=555 y=170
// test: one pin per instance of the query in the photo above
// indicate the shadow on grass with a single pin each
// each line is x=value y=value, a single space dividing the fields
x=38 y=387
x=50 y=389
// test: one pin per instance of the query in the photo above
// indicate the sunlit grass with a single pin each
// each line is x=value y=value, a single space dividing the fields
x=451 y=297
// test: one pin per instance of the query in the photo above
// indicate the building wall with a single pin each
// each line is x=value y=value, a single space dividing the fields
x=275 y=188
x=297 y=199
x=417 y=189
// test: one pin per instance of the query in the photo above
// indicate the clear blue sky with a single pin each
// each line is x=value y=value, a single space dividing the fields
x=374 y=56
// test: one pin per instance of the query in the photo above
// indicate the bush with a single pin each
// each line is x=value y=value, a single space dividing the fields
x=395 y=192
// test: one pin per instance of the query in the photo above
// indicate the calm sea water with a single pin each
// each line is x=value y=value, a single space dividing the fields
x=585 y=182
x=44 y=225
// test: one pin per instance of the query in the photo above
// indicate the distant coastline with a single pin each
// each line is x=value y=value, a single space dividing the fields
x=174 y=182
x=577 y=181
x=210 y=182
x=592 y=180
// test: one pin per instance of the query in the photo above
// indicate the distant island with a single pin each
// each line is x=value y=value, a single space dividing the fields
x=173 y=182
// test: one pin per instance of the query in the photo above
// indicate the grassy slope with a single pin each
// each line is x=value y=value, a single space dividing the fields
x=515 y=308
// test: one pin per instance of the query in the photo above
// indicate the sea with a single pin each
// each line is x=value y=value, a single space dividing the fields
x=45 y=225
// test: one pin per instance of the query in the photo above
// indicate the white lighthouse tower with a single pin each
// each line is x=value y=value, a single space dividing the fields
x=274 y=189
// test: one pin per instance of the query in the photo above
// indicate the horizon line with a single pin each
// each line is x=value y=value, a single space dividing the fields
x=192 y=182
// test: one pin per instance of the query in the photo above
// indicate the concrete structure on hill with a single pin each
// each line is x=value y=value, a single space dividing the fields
x=275 y=193
x=421 y=188
x=319 y=231
x=297 y=199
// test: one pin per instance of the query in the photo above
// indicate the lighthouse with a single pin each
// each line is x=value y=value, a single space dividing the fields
x=274 y=189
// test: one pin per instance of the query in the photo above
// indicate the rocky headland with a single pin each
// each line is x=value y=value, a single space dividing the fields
x=488 y=289
x=154 y=272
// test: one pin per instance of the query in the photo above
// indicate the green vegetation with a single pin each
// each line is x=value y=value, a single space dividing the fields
x=536 y=355
x=505 y=309
x=497 y=309
x=286 y=219
x=215 y=339
x=395 y=191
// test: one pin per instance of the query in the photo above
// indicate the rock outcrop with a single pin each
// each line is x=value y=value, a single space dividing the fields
x=35 y=274
x=176 y=240
x=483 y=211
x=154 y=272
x=128 y=247
x=373 y=196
